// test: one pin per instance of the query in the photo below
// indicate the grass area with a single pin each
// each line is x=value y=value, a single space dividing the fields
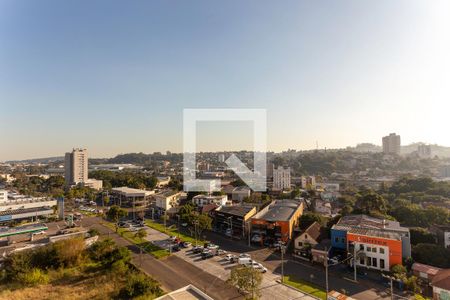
x=305 y=286
x=172 y=231
x=147 y=246
x=83 y=282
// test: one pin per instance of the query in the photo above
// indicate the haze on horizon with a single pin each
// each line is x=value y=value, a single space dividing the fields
x=115 y=76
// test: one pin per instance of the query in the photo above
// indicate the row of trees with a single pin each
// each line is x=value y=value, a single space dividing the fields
x=138 y=180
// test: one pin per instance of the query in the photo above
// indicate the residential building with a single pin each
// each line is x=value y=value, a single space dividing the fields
x=277 y=220
x=441 y=285
x=201 y=200
x=442 y=233
x=424 y=272
x=391 y=144
x=3 y=196
x=281 y=178
x=240 y=193
x=424 y=151
x=163 y=181
x=233 y=220
x=308 y=182
x=221 y=158
x=322 y=207
x=167 y=200
x=309 y=238
x=76 y=166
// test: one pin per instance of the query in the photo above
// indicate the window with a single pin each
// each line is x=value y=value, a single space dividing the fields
x=368 y=249
x=336 y=240
x=382 y=262
x=300 y=244
x=382 y=252
x=361 y=261
x=343 y=240
x=374 y=262
x=361 y=247
x=374 y=250
x=306 y=236
x=369 y=261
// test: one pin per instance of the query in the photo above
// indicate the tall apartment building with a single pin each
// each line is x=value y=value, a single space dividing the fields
x=281 y=178
x=424 y=151
x=76 y=166
x=391 y=144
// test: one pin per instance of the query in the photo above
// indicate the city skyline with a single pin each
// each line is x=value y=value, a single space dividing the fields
x=117 y=82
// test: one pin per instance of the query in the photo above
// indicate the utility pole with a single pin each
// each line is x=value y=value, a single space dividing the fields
x=326 y=271
x=231 y=227
x=354 y=261
x=249 y=229
x=392 y=288
x=178 y=225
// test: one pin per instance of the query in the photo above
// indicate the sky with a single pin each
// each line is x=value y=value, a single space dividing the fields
x=115 y=76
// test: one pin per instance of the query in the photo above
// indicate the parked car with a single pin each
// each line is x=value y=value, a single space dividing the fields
x=185 y=244
x=256 y=238
x=244 y=255
x=221 y=252
x=197 y=249
x=175 y=248
x=245 y=261
x=207 y=254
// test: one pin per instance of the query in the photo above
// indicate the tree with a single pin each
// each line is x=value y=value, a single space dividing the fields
x=115 y=213
x=204 y=222
x=421 y=235
x=431 y=254
x=141 y=233
x=93 y=232
x=246 y=279
x=369 y=201
x=139 y=284
x=308 y=218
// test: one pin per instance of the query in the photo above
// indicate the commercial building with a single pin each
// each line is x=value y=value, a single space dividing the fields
x=379 y=243
x=76 y=166
x=201 y=200
x=129 y=197
x=424 y=272
x=19 y=207
x=391 y=144
x=281 y=178
x=277 y=220
x=94 y=184
x=233 y=220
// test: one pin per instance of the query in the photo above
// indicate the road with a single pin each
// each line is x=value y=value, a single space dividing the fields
x=172 y=272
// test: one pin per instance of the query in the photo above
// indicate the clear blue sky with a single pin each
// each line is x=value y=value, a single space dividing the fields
x=115 y=76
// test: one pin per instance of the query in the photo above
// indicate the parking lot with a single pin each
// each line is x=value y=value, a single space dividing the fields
x=221 y=268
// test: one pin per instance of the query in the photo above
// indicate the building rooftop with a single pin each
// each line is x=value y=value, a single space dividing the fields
x=240 y=211
x=376 y=233
x=430 y=270
x=281 y=210
x=313 y=230
x=23 y=211
x=131 y=192
x=364 y=221
x=188 y=292
x=442 y=279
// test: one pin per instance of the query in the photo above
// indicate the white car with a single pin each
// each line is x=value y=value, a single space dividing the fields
x=230 y=257
x=39 y=232
x=244 y=255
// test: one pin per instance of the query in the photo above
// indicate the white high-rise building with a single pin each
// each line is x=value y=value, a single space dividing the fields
x=424 y=151
x=281 y=178
x=221 y=158
x=76 y=166
x=391 y=144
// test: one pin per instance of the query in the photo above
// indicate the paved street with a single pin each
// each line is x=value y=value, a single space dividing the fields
x=172 y=272
x=220 y=268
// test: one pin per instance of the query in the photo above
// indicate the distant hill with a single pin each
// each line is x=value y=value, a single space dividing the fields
x=440 y=151
x=45 y=160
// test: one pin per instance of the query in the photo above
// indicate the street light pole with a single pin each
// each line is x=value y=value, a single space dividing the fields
x=249 y=234
x=282 y=249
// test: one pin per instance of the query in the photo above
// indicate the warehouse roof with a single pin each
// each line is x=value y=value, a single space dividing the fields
x=281 y=210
